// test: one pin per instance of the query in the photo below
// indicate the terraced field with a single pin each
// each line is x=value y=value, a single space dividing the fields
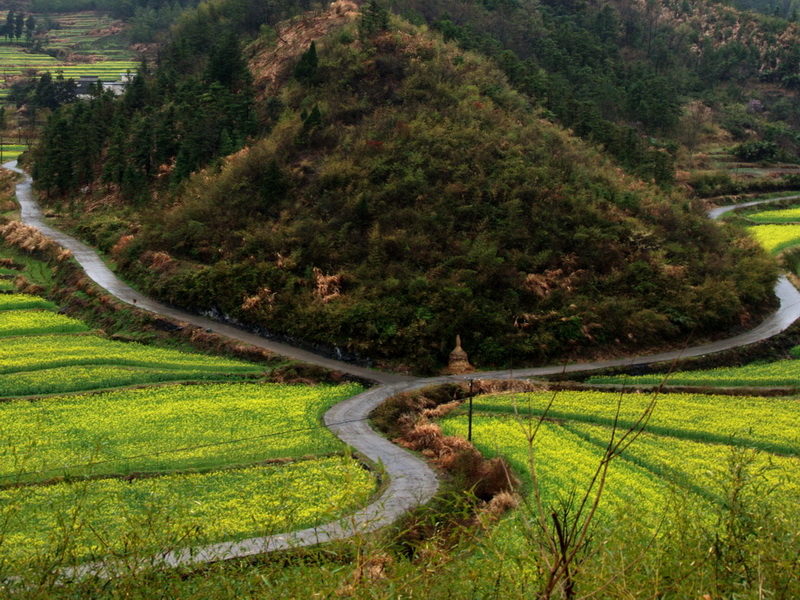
x=766 y=423
x=776 y=230
x=87 y=33
x=177 y=427
x=781 y=373
x=152 y=514
x=140 y=469
x=687 y=451
x=787 y=215
x=776 y=238
x=89 y=44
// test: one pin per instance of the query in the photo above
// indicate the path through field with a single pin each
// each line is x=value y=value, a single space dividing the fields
x=411 y=482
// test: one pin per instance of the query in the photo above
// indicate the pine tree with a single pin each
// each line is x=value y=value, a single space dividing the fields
x=374 y=19
x=306 y=67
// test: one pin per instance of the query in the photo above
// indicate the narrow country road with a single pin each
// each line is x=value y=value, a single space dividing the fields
x=411 y=482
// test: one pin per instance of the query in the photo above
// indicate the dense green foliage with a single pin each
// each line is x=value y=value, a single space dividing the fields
x=617 y=73
x=198 y=107
x=403 y=194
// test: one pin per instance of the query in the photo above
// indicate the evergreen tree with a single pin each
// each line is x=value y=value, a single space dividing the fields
x=226 y=64
x=306 y=67
x=114 y=163
x=30 y=28
x=19 y=25
x=44 y=96
x=374 y=19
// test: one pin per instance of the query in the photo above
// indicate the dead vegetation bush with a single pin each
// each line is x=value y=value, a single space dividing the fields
x=27 y=238
x=327 y=287
x=406 y=418
x=8 y=263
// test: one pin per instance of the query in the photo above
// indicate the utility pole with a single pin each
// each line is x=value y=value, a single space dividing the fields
x=469 y=430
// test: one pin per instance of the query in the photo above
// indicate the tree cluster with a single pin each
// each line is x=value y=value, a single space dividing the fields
x=44 y=92
x=16 y=25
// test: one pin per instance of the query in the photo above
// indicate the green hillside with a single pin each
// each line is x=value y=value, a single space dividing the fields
x=400 y=193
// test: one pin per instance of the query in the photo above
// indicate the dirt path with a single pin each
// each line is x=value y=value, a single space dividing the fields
x=411 y=482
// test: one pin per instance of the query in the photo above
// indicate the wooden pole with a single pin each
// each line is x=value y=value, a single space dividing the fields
x=469 y=430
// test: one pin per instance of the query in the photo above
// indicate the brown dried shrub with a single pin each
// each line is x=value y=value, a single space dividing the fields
x=121 y=244
x=500 y=504
x=27 y=238
x=264 y=297
x=497 y=386
x=423 y=436
x=440 y=411
x=24 y=286
x=328 y=287
x=160 y=261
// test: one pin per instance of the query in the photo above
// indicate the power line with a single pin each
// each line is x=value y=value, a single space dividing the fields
x=175 y=450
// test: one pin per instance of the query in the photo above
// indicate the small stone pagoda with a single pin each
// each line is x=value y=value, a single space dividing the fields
x=458 y=364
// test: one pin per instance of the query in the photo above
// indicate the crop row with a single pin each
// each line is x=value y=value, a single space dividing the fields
x=164 y=428
x=648 y=484
x=24 y=301
x=778 y=373
x=775 y=238
x=699 y=466
x=786 y=215
x=48 y=352
x=98 y=518
x=82 y=378
x=11 y=151
x=563 y=462
x=767 y=423
x=27 y=322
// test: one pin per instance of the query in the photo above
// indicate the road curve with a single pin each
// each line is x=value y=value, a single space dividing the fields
x=411 y=482
x=97 y=270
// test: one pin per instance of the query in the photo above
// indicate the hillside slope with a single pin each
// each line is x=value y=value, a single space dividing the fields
x=403 y=194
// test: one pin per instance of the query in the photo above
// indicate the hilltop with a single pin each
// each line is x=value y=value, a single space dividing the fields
x=391 y=191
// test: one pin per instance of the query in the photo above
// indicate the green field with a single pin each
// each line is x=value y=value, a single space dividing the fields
x=165 y=428
x=15 y=63
x=766 y=423
x=92 y=46
x=706 y=479
x=28 y=322
x=11 y=151
x=107 y=517
x=47 y=352
x=775 y=238
x=781 y=373
x=787 y=215
x=148 y=468
x=23 y=301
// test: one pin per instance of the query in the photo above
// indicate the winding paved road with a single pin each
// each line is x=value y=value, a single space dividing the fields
x=411 y=482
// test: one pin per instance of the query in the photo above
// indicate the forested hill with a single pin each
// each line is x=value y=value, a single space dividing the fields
x=383 y=191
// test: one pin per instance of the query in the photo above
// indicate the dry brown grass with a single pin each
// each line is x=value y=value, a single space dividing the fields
x=270 y=68
x=27 y=238
x=327 y=287
x=264 y=298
